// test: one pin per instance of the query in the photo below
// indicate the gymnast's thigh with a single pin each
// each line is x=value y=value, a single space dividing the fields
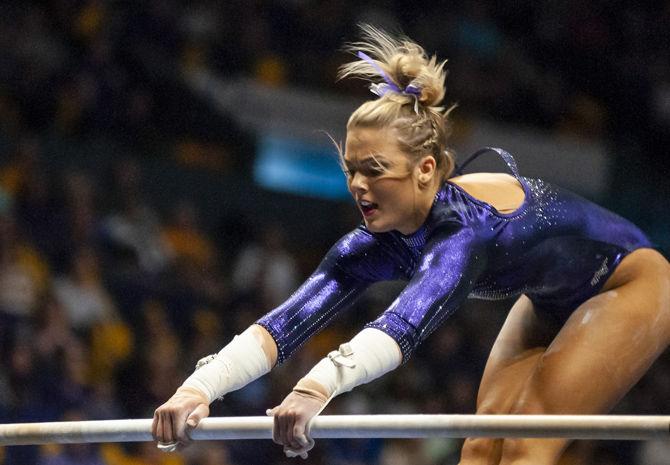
x=607 y=344
x=519 y=345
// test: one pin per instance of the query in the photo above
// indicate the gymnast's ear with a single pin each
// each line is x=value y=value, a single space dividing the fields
x=425 y=170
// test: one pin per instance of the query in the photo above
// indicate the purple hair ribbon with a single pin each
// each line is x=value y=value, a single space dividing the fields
x=388 y=86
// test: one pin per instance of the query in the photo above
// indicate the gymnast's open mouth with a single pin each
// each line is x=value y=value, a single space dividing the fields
x=368 y=208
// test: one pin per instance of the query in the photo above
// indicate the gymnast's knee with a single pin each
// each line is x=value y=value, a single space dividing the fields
x=517 y=452
x=483 y=451
x=478 y=451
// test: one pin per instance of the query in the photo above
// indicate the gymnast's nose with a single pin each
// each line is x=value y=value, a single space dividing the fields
x=358 y=184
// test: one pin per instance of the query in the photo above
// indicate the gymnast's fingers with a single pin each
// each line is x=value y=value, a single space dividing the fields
x=291 y=441
x=160 y=427
x=200 y=412
x=165 y=428
x=300 y=433
x=285 y=425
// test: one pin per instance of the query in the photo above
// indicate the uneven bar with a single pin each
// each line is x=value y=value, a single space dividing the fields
x=356 y=426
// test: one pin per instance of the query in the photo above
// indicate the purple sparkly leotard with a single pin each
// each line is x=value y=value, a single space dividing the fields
x=557 y=248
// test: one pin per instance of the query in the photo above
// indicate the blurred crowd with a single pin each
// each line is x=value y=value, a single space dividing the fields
x=108 y=297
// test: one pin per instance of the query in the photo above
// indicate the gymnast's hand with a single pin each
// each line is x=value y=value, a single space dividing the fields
x=293 y=416
x=176 y=418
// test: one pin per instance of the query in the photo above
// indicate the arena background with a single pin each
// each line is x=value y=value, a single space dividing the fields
x=165 y=179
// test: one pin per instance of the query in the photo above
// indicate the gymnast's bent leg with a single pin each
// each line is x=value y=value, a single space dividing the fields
x=522 y=340
x=603 y=349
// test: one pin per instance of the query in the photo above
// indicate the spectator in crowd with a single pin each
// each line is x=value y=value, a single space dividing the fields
x=268 y=266
x=82 y=293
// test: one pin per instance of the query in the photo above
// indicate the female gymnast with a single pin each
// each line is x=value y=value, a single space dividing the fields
x=594 y=296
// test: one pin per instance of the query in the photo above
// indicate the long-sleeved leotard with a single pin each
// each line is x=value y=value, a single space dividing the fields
x=557 y=248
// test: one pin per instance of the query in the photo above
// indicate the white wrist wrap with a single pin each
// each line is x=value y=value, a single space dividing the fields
x=236 y=365
x=370 y=354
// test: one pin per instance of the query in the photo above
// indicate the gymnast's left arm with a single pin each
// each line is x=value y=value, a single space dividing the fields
x=448 y=269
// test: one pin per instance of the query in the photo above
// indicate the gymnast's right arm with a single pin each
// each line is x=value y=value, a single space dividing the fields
x=353 y=263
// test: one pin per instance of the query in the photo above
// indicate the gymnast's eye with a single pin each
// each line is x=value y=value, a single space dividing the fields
x=374 y=170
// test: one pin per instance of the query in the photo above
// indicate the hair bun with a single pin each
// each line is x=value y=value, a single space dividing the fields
x=400 y=61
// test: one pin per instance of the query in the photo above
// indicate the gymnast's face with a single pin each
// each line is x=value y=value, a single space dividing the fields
x=384 y=182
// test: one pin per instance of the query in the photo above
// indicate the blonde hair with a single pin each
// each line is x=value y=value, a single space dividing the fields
x=418 y=119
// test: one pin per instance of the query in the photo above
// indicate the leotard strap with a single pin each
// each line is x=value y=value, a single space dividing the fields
x=506 y=156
